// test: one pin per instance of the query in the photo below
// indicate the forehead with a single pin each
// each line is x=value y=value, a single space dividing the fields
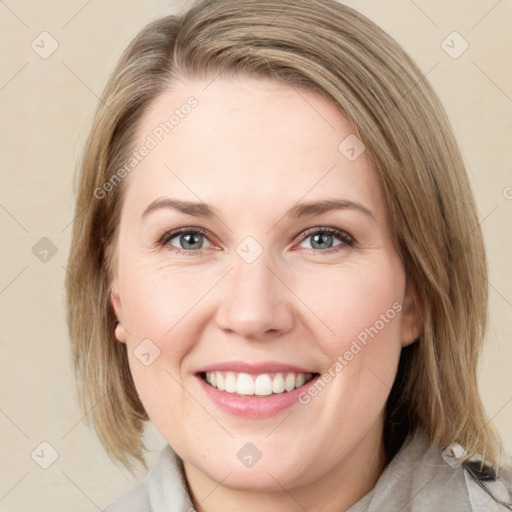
x=245 y=140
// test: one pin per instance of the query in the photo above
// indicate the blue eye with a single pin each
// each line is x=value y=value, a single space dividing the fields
x=191 y=240
x=323 y=239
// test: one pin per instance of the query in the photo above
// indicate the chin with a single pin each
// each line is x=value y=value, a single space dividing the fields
x=273 y=472
x=269 y=479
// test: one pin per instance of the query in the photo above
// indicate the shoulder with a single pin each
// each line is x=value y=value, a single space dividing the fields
x=422 y=477
x=163 y=489
x=486 y=491
x=481 y=490
x=135 y=500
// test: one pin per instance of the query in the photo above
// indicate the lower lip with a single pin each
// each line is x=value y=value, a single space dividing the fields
x=252 y=406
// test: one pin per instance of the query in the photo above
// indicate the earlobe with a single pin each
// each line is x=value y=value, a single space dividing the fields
x=412 y=317
x=120 y=333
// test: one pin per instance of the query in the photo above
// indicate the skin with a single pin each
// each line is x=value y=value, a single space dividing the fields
x=253 y=148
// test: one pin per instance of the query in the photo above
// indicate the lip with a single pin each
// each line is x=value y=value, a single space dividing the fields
x=252 y=406
x=254 y=368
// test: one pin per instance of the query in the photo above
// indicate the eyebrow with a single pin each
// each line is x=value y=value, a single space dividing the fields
x=296 y=212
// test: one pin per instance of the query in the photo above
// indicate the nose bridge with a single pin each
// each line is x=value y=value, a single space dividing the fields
x=256 y=301
x=252 y=280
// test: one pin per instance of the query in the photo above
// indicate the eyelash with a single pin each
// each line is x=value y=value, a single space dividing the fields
x=346 y=239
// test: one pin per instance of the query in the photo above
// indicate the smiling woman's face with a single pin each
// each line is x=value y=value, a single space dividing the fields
x=264 y=290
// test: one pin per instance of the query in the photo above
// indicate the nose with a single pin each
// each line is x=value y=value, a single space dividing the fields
x=256 y=303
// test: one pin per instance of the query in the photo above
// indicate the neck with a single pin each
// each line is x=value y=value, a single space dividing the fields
x=337 y=490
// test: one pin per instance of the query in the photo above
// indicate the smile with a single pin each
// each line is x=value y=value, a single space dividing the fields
x=262 y=384
x=254 y=390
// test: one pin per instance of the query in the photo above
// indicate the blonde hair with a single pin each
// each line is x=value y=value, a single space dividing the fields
x=330 y=48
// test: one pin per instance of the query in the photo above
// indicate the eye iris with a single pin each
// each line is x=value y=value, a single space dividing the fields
x=322 y=239
x=186 y=243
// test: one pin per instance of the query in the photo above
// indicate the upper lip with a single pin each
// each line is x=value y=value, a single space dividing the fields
x=253 y=367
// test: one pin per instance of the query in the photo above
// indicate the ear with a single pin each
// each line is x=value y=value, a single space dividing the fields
x=412 y=316
x=115 y=300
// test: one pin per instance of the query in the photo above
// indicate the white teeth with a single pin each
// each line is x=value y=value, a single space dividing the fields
x=259 y=385
x=220 y=381
x=244 y=384
x=278 y=383
x=289 y=382
x=300 y=380
x=230 y=383
x=263 y=385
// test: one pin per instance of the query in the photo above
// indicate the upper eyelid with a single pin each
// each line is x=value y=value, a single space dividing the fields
x=328 y=229
x=173 y=233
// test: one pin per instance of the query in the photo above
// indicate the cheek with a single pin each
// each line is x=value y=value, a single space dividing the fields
x=158 y=309
x=362 y=308
x=352 y=301
x=156 y=302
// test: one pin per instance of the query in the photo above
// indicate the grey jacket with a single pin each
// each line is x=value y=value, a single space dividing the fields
x=417 y=479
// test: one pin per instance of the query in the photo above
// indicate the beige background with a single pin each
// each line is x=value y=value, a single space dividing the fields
x=46 y=108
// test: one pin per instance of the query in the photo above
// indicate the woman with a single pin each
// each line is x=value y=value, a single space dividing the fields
x=277 y=260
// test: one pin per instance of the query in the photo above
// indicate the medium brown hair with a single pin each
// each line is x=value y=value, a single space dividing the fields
x=329 y=48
